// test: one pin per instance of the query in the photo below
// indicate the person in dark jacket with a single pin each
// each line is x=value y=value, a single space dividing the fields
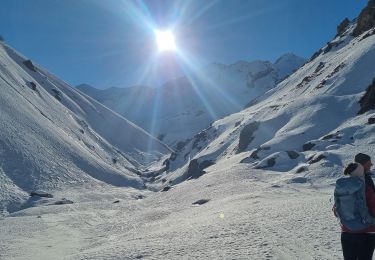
x=356 y=222
x=365 y=161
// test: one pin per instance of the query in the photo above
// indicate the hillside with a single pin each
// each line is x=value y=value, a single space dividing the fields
x=307 y=128
x=52 y=136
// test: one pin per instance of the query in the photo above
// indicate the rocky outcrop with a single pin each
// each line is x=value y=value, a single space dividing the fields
x=367 y=102
x=342 y=26
x=366 y=19
x=246 y=136
x=196 y=169
x=29 y=64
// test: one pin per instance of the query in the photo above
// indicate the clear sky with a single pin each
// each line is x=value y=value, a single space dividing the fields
x=111 y=42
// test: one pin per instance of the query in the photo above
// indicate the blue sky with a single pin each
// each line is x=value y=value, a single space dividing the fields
x=111 y=43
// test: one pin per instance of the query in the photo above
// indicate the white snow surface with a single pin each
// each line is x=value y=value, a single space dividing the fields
x=46 y=143
x=250 y=214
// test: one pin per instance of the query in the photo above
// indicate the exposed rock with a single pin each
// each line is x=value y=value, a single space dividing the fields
x=167 y=188
x=292 y=154
x=319 y=67
x=315 y=55
x=202 y=136
x=196 y=169
x=57 y=94
x=41 y=194
x=371 y=120
x=29 y=65
x=321 y=84
x=367 y=102
x=201 y=202
x=328 y=48
x=254 y=154
x=63 y=201
x=366 y=19
x=237 y=123
x=271 y=162
x=32 y=85
x=308 y=146
x=139 y=197
x=301 y=169
x=304 y=81
x=342 y=26
x=116 y=201
x=246 y=136
x=316 y=159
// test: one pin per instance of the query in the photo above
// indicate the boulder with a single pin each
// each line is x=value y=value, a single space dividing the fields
x=292 y=154
x=367 y=102
x=167 y=188
x=40 y=194
x=196 y=169
x=308 y=146
x=29 y=64
x=63 y=201
x=316 y=159
x=247 y=135
x=371 y=120
x=201 y=202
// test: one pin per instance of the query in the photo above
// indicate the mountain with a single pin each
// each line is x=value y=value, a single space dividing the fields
x=52 y=136
x=309 y=126
x=185 y=106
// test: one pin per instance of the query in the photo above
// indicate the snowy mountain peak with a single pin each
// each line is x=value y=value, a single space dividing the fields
x=187 y=105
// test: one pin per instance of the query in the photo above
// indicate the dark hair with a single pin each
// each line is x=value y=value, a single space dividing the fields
x=350 y=168
x=362 y=158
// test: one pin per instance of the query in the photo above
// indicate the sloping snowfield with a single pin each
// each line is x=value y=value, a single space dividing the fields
x=250 y=214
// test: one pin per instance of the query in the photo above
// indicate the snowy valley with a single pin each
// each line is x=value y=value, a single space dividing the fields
x=255 y=183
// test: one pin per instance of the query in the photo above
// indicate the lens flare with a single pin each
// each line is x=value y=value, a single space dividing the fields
x=165 y=40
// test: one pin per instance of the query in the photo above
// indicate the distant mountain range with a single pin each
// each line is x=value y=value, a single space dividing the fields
x=187 y=105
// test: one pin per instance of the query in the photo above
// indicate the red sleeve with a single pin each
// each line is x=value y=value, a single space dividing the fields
x=370 y=200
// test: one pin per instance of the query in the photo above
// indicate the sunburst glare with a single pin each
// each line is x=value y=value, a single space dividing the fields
x=165 y=40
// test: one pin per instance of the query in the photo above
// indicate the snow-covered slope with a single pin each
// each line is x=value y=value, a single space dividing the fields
x=185 y=106
x=51 y=135
x=306 y=126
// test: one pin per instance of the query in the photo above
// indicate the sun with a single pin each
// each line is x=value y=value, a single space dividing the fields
x=165 y=40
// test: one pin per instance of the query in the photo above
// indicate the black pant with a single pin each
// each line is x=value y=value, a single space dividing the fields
x=357 y=246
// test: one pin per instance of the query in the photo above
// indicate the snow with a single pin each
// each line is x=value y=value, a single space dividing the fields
x=126 y=196
x=185 y=106
x=47 y=142
x=250 y=214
